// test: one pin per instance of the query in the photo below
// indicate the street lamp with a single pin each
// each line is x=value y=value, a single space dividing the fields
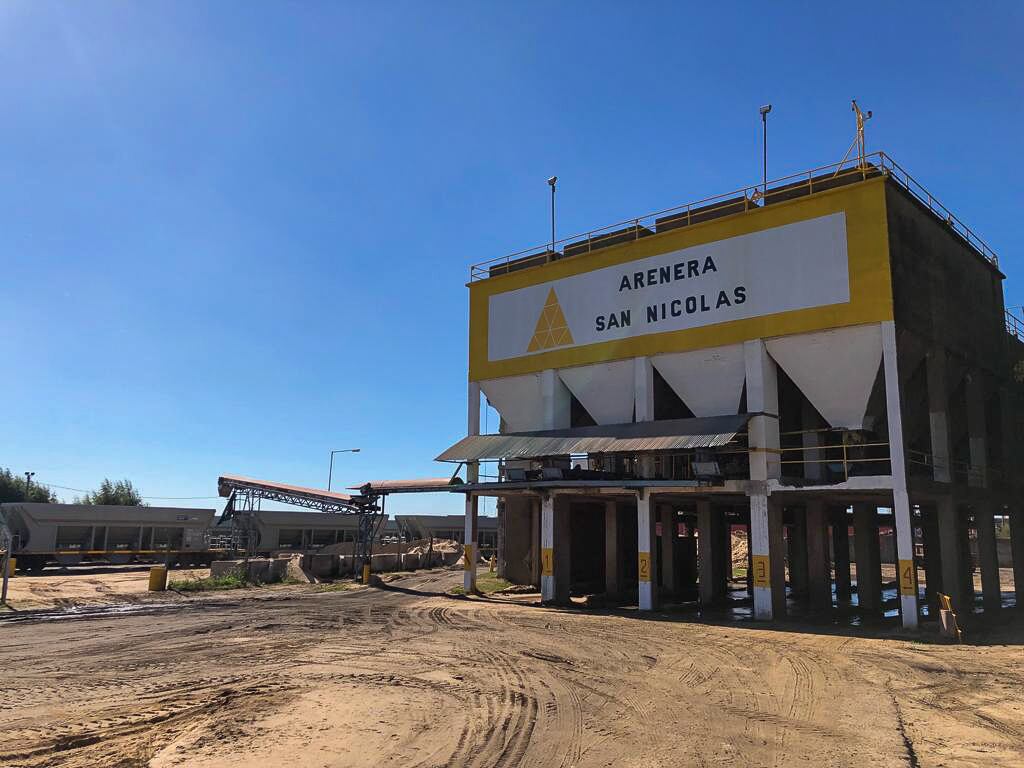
x=28 y=484
x=551 y=183
x=330 y=472
x=764 y=124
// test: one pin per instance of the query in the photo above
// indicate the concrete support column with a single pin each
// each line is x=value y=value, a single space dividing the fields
x=469 y=544
x=643 y=404
x=706 y=553
x=841 y=554
x=612 y=555
x=951 y=531
x=469 y=541
x=811 y=455
x=669 y=539
x=938 y=401
x=762 y=551
x=869 y=566
x=766 y=545
x=988 y=558
x=976 y=430
x=724 y=571
x=535 y=545
x=796 y=551
x=646 y=552
x=777 y=560
x=906 y=570
x=563 y=549
x=555 y=400
x=932 y=559
x=1017 y=549
x=819 y=572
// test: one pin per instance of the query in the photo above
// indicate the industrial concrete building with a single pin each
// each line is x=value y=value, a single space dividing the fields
x=821 y=355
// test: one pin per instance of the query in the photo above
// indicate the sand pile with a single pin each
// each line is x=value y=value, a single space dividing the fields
x=740 y=549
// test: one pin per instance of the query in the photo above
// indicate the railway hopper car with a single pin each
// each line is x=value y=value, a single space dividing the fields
x=69 y=534
x=281 y=530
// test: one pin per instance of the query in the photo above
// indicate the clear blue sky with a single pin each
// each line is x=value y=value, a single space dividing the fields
x=235 y=235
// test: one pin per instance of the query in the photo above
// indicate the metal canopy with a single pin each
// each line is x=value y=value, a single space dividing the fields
x=668 y=435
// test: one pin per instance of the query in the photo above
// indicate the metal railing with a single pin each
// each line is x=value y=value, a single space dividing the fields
x=1014 y=323
x=838 y=458
x=743 y=199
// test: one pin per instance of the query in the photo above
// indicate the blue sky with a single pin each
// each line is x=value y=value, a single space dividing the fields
x=236 y=235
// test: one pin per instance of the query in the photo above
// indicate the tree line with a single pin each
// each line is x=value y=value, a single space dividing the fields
x=120 y=493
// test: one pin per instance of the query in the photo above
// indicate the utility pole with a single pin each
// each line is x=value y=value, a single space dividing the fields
x=764 y=144
x=7 y=542
x=551 y=183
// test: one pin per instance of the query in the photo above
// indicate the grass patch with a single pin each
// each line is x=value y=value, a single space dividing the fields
x=486 y=583
x=210 y=583
x=336 y=586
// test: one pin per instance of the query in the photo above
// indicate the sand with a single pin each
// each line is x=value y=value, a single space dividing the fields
x=408 y=676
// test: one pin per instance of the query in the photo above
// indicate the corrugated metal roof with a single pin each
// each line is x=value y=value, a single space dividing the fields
x=669 y=435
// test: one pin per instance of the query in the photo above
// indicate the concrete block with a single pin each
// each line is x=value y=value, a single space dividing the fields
x=450 y=558
x=323 y=566
x=257 y=571
x=382 y=563
x=410 y=562
x=221 y=568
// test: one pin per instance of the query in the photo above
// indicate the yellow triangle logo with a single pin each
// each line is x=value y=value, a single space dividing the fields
x=552 y=330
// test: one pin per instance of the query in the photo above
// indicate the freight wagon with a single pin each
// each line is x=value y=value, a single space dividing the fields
x=69 y=534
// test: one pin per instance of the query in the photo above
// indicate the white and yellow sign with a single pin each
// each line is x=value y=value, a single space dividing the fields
x=807 y=264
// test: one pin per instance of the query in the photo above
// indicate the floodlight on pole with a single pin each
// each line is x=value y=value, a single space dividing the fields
x=764 y=145
x=552 y=181
x=330 y=472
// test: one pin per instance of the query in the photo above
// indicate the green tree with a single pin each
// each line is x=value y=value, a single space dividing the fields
x=122 y=494
x=12 y=488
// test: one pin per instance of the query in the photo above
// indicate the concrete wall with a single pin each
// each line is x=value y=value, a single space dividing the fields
x=515 y=559
x=943 y=290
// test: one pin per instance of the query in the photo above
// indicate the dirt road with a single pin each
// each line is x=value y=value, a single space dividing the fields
x=409 y=677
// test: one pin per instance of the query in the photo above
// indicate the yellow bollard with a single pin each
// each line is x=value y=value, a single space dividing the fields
x=12 y=566
x=158 y=578
x=366 y=573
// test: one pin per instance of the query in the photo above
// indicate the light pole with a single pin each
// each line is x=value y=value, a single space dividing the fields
x=28 y=484
x=551 y=183
x=330 y=472
x=764 y=143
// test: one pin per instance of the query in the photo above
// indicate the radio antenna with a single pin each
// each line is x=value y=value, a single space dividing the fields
x=858 y=140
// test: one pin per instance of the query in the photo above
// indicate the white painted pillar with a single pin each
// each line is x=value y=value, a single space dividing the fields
x=906 y=569
x=547 y=548
x=555 y=400
x=645 y=554
x=763 y=440
x=760 y=560
x=643 y=403
x=469 y=542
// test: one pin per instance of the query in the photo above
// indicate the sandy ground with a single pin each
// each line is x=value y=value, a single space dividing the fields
x=87 y=586
x=407 y=676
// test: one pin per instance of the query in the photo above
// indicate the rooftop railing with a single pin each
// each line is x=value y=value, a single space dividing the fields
x=746 y=198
